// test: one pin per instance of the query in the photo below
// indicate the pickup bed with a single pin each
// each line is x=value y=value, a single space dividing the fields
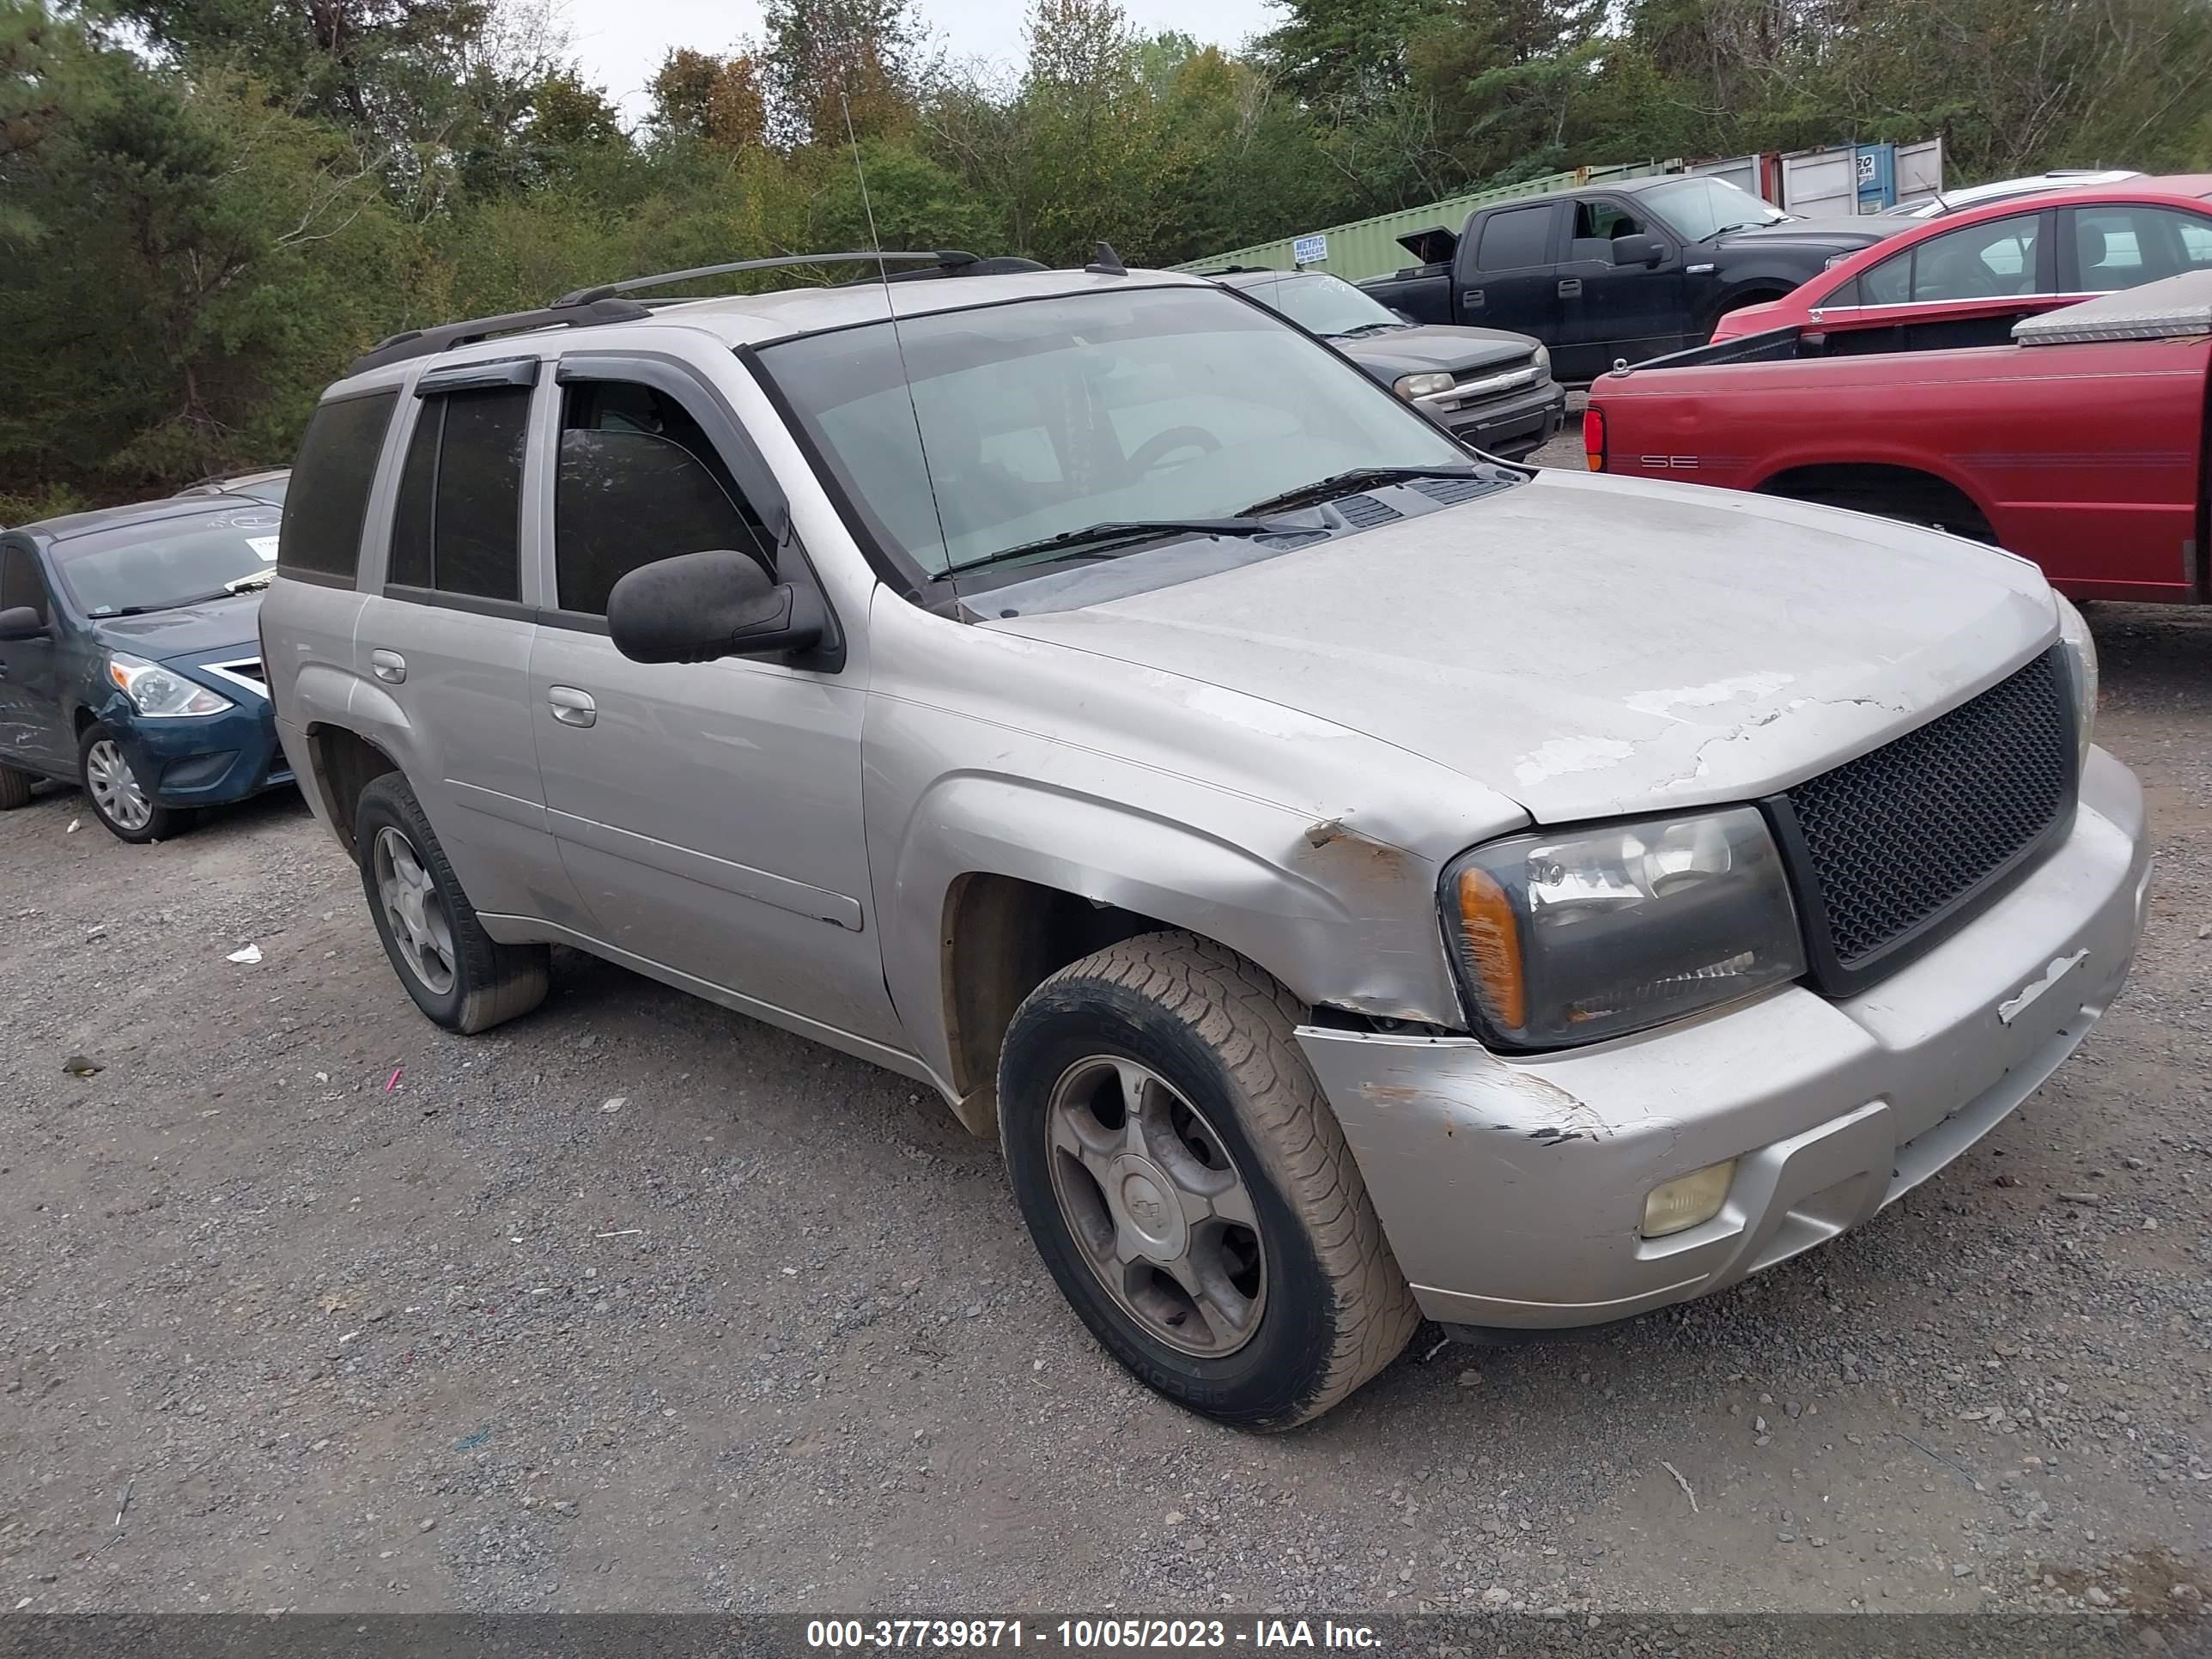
x=1623 y=272
x=2079 y=441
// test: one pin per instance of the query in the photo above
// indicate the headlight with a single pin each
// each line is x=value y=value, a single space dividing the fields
x=158 y=693
x=1833 y=260
x=1423 y=386
x=1543 y=361
x=2082 y=662
x=1567 y=937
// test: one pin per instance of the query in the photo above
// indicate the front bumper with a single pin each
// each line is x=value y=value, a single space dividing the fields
x=1512 y=1190
x=1512 y=427
x=202 y=760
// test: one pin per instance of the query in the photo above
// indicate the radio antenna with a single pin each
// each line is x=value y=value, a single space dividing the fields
x=890 y=310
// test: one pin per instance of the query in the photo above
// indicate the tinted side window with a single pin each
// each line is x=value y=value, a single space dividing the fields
x=1889 y=283
x=1516 y=238
x=329 y=494
x=1978 y=263
x=2117 y=247
x=457 y=523
x=638 y=480
x=21 y=583
x=411 y=514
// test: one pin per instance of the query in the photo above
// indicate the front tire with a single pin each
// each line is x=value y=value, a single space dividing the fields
x=461 y=977
x=120 y=797
x=1189 y=1187
x=14 y=789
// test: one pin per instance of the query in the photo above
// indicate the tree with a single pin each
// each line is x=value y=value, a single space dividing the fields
x=828 y=61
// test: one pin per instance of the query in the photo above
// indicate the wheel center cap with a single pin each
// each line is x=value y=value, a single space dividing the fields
x=1146 y=1200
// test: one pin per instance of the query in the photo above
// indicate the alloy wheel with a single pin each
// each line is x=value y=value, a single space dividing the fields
x=421 y=928
x=1156 y=1206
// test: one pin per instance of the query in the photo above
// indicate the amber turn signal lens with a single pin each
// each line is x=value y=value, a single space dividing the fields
x=1493 y=947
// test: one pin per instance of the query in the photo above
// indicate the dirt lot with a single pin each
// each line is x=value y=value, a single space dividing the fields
x=637 y=1303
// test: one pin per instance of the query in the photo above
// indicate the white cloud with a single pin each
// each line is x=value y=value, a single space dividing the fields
x=621 y=43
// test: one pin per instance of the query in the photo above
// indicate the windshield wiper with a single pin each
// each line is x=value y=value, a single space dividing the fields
x=1098 y=538
x=252 y=579
x=1366 y=329
x=1347 y=483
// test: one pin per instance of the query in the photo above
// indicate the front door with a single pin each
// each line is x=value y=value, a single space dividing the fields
x=32 y=731
x=1608 y=310
x=708 y=813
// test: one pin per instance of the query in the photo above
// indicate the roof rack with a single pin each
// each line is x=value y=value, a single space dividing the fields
x=586 y=307
x=947 y=260
x=428 y=342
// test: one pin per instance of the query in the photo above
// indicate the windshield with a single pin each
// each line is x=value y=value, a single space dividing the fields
x=1697 y=208
x=1049 y=416
x=169 y=562
x=1325 y=303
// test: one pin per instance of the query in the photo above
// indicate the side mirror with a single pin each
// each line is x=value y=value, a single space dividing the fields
x=696 y=607
x=1637 y=250
x=20 y=622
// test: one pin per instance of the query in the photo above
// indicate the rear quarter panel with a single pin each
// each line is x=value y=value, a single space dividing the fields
x=2087 y=460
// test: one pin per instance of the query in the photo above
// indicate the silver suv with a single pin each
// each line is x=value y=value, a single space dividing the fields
x=1355 y=879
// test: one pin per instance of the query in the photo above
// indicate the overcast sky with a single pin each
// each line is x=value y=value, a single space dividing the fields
x=621 y=42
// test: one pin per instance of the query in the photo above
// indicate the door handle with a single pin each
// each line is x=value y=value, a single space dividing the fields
x=389 y=667
x=1571 y=288
x=1471 y=299
x=571 y=707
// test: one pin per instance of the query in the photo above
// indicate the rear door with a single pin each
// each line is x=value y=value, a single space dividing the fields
x=444 y=640
x=1508 y=270
x=1609 y=310
x=710 y=813
x=33 y=729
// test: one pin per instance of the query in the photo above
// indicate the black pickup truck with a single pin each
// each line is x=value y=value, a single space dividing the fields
x=1624 y=271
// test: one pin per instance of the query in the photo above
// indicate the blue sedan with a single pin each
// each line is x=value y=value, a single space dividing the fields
x=129 y=662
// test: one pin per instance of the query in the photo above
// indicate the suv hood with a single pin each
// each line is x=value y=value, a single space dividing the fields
x=1593 y=647
x=1431 y=347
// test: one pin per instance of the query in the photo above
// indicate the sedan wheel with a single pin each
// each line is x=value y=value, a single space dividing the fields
x=120 y=797
x=114 y=786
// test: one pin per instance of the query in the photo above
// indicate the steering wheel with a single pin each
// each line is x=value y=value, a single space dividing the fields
x=1156 y=448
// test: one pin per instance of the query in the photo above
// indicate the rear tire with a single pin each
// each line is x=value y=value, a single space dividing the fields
x=14 y=789
x=461 y=977
x=1164 y=1132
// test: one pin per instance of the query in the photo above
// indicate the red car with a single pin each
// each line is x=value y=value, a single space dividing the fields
x=2077 y=438
x=2006 y=258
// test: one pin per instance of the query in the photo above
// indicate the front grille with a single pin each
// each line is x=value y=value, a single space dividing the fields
x=1888 y=846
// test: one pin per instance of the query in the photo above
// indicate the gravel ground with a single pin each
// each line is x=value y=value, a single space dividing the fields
x=638 y=1305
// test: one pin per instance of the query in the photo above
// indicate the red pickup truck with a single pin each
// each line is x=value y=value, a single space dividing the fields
x=2076 y=438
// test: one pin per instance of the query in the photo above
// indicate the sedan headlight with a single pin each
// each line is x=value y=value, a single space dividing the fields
x=1422 y=385
x=1568 y=936
x=156 y=692
x=2081 y=663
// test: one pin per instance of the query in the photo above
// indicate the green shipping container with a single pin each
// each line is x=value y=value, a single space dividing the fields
x=1369 y=247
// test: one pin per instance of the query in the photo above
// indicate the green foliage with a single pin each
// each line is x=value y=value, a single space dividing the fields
x=213 y=205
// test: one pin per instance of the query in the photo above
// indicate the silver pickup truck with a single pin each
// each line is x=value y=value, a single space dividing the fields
x=1355 y=878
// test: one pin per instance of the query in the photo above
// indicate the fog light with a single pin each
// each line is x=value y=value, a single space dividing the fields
x=1684 y=1202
